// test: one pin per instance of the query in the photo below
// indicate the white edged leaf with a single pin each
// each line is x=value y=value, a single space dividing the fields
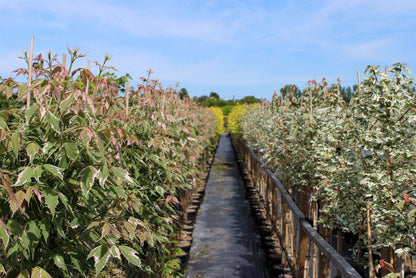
x=39 y=272
x=51 y=199
x=32 y=149
x=53 y=121
x=122 y=174
x=55 y=171
x=15 y=143
x=87 y=175
x=101 y=255
x=130 y=255
x=115 y=252
x=4 y=235
x=24 y=176
x=71 y=150
x=60 y=262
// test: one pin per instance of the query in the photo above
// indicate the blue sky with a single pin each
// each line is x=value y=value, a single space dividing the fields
x=235 y=48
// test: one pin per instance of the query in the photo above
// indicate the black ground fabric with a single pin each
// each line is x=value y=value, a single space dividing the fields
x=226 y=242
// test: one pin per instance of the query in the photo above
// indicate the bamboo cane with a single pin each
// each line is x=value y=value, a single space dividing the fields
x=29 y=78
x=64 y=61
x=370 y=249
x=315 y=248
x=127 y=90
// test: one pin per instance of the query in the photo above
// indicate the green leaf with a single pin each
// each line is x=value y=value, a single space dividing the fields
x=22 y=88
x=122 y=174
x=115 y=252
x=412 y=213
x=392 y=275
x=33 y=231
x=45 y=226
x=55 y=171
x=37 y=172
x=66 y=102
x=88 y=176
x=24 y=176
x=14 y=228
x=60 y=262
x=3 y=123
x=24 y=274
x=101 y=255
x=34 y=235
x=120 y=191
x=2 y=270
x=51 y=198
x=93 y=224
x=64 y=201
x=32 y=149
x=30 y=112
x=105 y=230
x=103 y=175
x=71 y=150
x=15 y=143
x=4 y=235
x=74 y=223
x=53 y=121
x=130 y=255
x=39 y=272
x=17 y=201
x=76 y=262
x=24 y=240
x=160 y=190
x=47 y=148
x=13 y=249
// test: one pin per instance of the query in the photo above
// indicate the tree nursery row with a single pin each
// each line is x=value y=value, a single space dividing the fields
x=90 y=183
x=350 y=166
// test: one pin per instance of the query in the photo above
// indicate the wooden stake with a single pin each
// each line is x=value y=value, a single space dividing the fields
x=307 y=259
x=358 y=78
x=127 y=90
x=339 y=246
x=310 y=106
x=89 y=65
x=64 y=61
x=29 y=78
x=371 y=272
x=386 y=70
x=315 y=248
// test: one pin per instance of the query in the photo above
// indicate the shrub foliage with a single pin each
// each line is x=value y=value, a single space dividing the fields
x=88 y=187
x=356 y=160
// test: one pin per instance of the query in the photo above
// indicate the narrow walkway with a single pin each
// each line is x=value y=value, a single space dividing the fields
x=225 y=239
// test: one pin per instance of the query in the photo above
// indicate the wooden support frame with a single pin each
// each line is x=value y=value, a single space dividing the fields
x=297 y=235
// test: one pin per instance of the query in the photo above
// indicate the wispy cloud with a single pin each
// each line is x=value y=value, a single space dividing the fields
x=373 y=49
x=218 y=43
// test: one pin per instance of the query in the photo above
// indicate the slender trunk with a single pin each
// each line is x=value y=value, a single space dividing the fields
x=372 y=274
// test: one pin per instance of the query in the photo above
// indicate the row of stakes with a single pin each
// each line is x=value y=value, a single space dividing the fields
x=270 y=240
x=185 y=237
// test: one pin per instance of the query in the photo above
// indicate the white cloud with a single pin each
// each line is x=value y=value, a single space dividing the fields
x=219 y=43
x=148 y=21
x=373 y=49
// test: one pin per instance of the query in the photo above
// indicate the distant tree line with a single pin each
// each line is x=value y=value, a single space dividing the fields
x=214 y=100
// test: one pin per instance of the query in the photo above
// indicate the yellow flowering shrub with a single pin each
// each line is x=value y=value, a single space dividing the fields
x=219 y=115
x=234 y=118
